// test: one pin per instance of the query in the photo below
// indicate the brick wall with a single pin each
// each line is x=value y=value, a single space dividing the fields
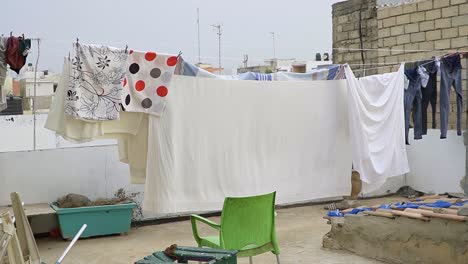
x=420 y=25
x=346 y=32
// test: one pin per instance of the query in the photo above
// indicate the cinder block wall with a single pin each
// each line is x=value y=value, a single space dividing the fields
x=417 y=25
x=346 y=32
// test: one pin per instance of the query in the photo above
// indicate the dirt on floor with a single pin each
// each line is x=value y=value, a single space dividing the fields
x=300 y=231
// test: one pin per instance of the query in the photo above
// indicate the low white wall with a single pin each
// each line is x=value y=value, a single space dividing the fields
x=61 y=167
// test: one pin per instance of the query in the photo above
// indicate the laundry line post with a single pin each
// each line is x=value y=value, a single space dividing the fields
x=34 y=97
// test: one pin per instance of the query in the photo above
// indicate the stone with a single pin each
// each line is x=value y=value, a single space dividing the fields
x=410 y=8
x=463 y=31
x=433 y=35
x=460 y=21
x=397 y=30
x=441 y=3
x=449 y=33
x=433 y=14
x=463 y=9
x=411 y=28
x=459 y=42
x=389 y=22
x=426 y=25
x=443 y=23
x=456 y=2
x=417 y=37
x=450 y=11
x=463 y=210
x=417 y=17
x=425 y=5
x=403 y=19
x=403 y=39
x=442 y=44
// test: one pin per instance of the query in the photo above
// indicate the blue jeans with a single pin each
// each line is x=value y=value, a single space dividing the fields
x=450 y=75
x=412 y=103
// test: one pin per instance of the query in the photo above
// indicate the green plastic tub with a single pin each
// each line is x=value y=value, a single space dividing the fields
x=101 y=220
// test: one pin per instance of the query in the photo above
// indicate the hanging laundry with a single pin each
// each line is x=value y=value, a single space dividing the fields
x=221 y=138
x=3 y=72
x=376 y=121
x=450 y=75
x=96 y=82
x=412 y=103
x=17 y=51
x=74 y=130
x=148 y=81
x=428 y=73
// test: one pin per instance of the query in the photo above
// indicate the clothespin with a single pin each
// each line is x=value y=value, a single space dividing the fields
x=126 y=48
x=77 y=40
x=11 y=33
x=180 y=53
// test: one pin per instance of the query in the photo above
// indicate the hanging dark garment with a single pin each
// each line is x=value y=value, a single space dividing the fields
x=16 y=52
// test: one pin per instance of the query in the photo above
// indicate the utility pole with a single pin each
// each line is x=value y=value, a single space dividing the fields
x=198 y=25
x=274 y=45
x=219 y=45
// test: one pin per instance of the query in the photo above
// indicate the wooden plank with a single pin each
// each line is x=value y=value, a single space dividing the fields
x=31 y=209
x=382 y=214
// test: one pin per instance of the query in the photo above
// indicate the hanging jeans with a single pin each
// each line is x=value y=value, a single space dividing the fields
x=412 y=102
x=429 y=95
x=450 y=75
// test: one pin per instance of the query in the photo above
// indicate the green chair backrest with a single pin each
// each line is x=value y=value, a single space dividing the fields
x=247 y=221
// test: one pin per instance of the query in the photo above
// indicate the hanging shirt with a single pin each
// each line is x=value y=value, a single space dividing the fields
x=148 y=81
x=96 y=81
x=377 y=127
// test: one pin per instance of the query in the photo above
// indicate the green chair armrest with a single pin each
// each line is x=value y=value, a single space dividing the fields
x=194 y=219
x=212 y=224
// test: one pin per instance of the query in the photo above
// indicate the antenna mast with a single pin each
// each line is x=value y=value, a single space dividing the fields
x=198 y=25
x=219 y=45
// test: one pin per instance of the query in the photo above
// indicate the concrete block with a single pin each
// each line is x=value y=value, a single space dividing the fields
x=443 y=23
x=380 y=24
x=449 y=33
x=389 y=22
x=433 y=35
x=411 y=28
x=463 y=210
x=460 y=21
x=410 y=8
x=425 y=5
x=397 y=50
x=441 y=3
x=397 y=30
x=417 y=37
x=409 y=46
x=403 y=39
x=383 y=33
x=426 y=45
x=353 y=34
x=450 y=11
x=383 y=13
x=390 y=42
x=442 y=44
x=403 y=19
x=348 y=26
x=426 y=25
x=463 y=31
x=401 y=240
x=463 y=9
x=396 y=11
x=342 y=36
x=459 y=42
x=456 y=2
x=433 y=14
x=417 y=17
x=342 y=19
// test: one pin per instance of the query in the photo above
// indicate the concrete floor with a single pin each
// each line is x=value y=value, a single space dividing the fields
x=300 y=231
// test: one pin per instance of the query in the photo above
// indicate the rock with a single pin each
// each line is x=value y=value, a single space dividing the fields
x=463 y=210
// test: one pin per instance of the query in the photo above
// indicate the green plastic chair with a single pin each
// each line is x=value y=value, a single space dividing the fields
x=247 y=225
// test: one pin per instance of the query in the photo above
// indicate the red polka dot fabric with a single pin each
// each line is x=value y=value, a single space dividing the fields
x=147 y=82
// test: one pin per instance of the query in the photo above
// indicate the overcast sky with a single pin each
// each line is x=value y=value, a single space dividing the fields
x=302 y=27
